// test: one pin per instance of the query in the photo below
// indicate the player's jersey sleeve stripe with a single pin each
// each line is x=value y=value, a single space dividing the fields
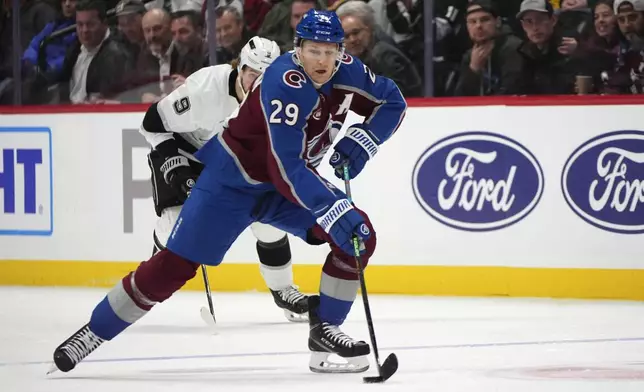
x=152 y=127
x=232 y=154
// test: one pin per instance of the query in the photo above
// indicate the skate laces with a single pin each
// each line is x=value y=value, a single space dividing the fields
x=338 y=336
x=291 y=295
x=82 y=344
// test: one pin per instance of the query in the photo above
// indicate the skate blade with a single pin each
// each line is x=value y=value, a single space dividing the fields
x=209 y=319
x=319 y=363
x=296 y=318
x=388 y=368
x=52 y=369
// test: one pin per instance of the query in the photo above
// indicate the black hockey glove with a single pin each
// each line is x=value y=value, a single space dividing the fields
x=179 y=175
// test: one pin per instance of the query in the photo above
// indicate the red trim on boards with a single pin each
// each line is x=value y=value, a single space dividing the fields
x=546 y=100
x=534 y=100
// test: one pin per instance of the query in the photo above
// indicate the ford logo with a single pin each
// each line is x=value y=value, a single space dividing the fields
x=603 y=181
x=477 y=181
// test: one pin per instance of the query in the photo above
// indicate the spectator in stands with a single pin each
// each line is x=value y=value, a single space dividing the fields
x=34 y=16
x=255 y=11
x=574 y=4
x=155 y=63
x=575 y=19
x=382 y=58
x=232 y=33
x=602 y=47
x=493 y=66
x=55 y=49
x=403 y=21
x=95 y=68
x=626 y=76
x=399 y=19
x=173 y=6
x=548 y=67
x=129 y=14
x=279 y=24
x=606 y=31
x=187 y=28
x=298 y=9
x=630 y=18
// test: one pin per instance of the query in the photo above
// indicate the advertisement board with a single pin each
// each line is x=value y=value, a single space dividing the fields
x=26 y=181
x=477 y=200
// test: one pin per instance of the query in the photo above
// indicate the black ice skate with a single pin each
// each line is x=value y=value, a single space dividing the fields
x=326 y=339
x=294 y=303
x=75 y=349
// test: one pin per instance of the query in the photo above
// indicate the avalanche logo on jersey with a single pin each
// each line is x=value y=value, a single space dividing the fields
x=294 y=78
x=317 y=148
x=319 y=145
x=347 y=59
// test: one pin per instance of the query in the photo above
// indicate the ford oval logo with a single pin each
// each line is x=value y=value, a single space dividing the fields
x=478 y=181
x=603 y=181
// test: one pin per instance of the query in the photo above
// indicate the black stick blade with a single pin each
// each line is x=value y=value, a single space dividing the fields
x=388 y=368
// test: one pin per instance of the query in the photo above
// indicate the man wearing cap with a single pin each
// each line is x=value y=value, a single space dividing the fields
x=549 y=67
x=626 y=77
x=129 y=14
x=630 y=18
x=493 y=65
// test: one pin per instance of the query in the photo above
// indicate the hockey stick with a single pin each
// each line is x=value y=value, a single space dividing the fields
x=390 y=365
x=208 y=315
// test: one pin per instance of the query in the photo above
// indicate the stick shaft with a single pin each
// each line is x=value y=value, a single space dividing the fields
x=363 y=284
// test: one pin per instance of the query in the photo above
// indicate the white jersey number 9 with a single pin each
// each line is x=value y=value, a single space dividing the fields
x=291 y=111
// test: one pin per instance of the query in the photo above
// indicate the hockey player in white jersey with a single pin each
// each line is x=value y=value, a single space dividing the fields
x=183 y=122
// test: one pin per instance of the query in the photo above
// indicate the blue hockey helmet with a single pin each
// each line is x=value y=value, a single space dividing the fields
x=319 y=26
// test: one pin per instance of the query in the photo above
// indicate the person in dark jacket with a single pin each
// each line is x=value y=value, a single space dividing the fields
x=602 y=48
x=279 y=23
x=493 y=65
x=627 y=77
x=95 y=68
x=575 y=19
x=232 y=33
x=192 y=52
x=129 y=14
x=549 y=64
x=383 y=58
x=55 y=50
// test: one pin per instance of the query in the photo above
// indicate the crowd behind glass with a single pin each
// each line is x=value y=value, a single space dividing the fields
x=75 y=51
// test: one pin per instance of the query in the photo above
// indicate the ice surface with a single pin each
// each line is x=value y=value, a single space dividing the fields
x=443 y=345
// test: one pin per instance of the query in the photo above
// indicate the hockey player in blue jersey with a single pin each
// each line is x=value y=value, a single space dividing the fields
x=262 y=168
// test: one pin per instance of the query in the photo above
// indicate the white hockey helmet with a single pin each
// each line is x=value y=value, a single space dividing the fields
x=258 y=53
